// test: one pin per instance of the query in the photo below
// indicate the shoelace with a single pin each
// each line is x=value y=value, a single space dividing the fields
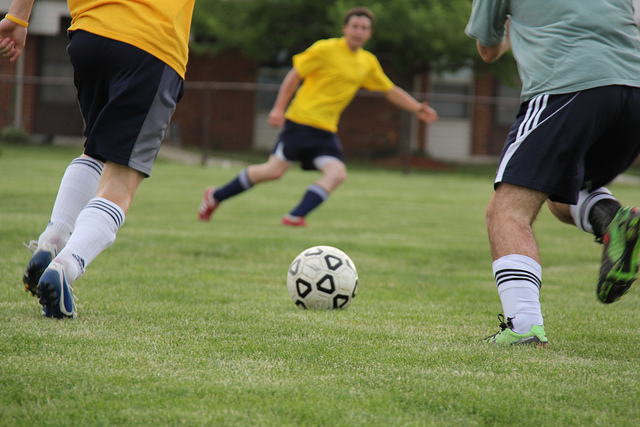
x=503 y=325
x=32 y=246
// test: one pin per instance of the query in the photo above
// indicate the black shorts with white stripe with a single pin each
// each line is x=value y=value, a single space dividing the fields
x=560 y=144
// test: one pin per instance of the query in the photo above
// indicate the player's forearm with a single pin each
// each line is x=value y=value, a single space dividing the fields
x=402 y=99
x=21 y=9
x=494 y=52
x=398 y=97
x=287 y=89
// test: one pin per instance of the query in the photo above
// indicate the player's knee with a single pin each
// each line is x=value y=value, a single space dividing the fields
x=339 y=173
x=342 y=177
x=265 y=172
x=277 y=173
x=494 y=213
x=561 y=211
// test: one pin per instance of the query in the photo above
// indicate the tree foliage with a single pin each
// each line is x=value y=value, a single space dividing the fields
x=410 y=35
x=269 y=31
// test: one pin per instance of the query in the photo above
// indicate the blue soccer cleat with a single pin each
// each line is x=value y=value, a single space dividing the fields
x=42 y=256
x=56 y=294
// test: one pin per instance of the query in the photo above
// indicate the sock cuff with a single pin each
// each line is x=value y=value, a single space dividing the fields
x=107 y=209
x=89 y=162
x=243 y=177
x=586 y=200
x=517 y=271
x=321 y=192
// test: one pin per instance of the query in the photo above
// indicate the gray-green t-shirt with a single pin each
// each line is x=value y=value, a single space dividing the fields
x=563 y=46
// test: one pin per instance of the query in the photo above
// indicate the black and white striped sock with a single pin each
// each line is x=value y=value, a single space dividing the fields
x=95 y=231
x=519 y=281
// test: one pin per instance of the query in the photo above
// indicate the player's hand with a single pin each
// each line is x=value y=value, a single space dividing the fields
x=276 y=118
x=7 y=47
x=12 y=38
x=426 y=113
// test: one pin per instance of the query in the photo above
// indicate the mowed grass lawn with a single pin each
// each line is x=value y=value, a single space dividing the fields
x=188 y=323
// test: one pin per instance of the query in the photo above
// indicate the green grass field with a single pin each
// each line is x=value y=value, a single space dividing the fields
x=189 y=323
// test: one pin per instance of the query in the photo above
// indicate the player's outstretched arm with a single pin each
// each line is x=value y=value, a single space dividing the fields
x=285 y=93
x=398 y=97
x=13 y=29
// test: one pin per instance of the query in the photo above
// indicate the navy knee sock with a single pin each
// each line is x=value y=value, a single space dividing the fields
x=236 y=186
x=312 y=198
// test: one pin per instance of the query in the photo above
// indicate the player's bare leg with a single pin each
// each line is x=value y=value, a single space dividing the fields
x=272 y=169
x=516 y=267
x=119 y=184
x=561 y=211
x=510 y=216
x=334 y=173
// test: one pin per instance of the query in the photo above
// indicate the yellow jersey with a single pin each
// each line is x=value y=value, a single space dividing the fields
x=159 y=27
x=332 y=75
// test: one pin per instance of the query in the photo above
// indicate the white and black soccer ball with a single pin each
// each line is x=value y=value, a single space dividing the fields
x=322 y=277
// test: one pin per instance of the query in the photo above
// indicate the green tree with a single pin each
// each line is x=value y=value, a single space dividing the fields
x=410 y=35
x=270 y=31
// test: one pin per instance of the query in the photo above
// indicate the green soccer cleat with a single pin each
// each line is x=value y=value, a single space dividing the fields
x=619 y=255
x=506 y=336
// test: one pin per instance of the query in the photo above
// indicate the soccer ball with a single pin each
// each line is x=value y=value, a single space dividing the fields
x=322 y=277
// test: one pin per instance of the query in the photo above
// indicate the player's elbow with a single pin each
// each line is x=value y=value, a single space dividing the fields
x=491 y=53
x=488 y=56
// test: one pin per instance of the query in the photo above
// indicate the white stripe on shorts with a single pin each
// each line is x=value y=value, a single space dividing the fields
x=279 y=152
x=530 y=122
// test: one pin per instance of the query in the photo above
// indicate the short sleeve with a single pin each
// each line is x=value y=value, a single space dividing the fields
x=487 y=21
x=376 y=79
x=309 y=60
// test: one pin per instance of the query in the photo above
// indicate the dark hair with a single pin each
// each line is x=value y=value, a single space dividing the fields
x=359 y=11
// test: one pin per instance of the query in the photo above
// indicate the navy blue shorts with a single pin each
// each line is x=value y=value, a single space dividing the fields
x=304 y=144
x=561 y=144
x=127 y=98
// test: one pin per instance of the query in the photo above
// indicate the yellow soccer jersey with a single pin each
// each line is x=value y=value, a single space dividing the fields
x=332 y=75
x=159 y=27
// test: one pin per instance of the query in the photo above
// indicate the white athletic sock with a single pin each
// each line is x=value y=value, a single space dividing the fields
x=580 y=211
x=95 y=231
x=519 y=280
x=78 y=185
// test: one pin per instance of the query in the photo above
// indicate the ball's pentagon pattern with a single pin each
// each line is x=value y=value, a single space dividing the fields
x=326 y=284
x=322 y=277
